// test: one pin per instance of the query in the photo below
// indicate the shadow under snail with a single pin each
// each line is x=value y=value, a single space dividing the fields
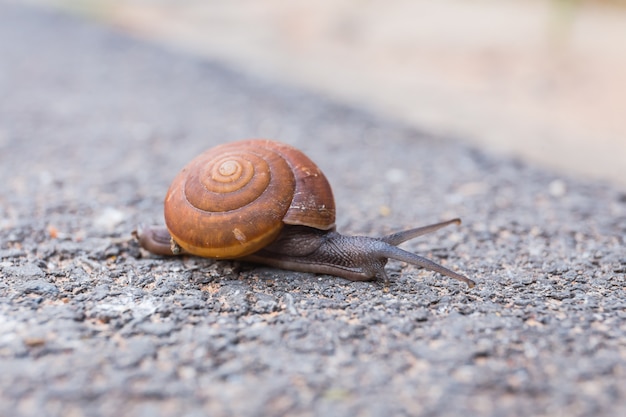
x=266 y=202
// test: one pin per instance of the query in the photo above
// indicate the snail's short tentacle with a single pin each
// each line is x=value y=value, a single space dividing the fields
x=397 y=238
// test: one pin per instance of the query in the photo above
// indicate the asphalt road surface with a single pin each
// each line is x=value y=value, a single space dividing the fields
x=93 y=127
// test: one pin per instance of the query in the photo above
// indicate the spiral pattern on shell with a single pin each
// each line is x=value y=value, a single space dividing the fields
x=234 y=199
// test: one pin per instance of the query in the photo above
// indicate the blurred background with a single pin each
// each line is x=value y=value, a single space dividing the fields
x=542 y=80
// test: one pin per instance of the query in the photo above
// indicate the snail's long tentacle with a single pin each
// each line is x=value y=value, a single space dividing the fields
x=392 y=252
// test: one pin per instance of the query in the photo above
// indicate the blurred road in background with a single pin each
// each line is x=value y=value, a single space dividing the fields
x=544 y=80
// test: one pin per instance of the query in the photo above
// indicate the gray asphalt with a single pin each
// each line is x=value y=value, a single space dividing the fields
x=93 y=127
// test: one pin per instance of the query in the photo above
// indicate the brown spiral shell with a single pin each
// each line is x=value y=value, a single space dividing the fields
x=234 y=199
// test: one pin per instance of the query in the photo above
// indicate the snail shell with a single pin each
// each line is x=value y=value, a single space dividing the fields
x=234 y=199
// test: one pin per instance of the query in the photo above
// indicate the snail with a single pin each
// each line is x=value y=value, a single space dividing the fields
x=266 y=202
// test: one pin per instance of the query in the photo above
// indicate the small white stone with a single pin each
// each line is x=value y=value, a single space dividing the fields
x=557 y=188
x=395 y=175
x=45 y=178
x=109 y=218
x=472 y=188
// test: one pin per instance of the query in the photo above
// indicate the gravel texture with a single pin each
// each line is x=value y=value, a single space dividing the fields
x=94 y=125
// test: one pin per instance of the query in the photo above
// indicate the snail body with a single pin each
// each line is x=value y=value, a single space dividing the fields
x=266 y=202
